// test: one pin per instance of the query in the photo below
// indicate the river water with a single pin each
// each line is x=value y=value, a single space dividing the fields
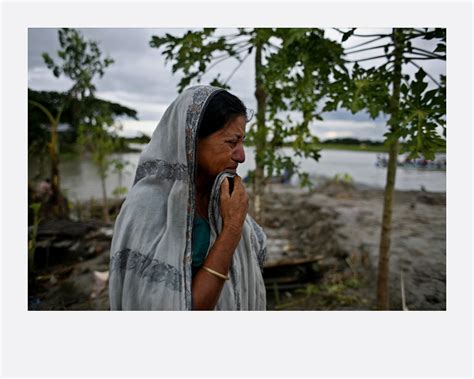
x=80 y=180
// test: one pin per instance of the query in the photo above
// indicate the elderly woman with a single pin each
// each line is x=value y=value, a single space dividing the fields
x=183 y=239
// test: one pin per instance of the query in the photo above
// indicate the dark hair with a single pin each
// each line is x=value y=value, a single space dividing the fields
x=222 y=108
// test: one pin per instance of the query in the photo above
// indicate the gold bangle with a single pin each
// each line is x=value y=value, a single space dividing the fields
x=218 y=274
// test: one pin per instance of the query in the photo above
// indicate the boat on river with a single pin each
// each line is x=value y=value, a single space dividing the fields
x=438 y=164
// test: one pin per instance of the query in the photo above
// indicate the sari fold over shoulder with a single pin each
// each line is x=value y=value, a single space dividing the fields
x=150 y=257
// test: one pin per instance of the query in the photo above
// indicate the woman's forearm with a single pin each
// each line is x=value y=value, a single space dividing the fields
x=206 y=287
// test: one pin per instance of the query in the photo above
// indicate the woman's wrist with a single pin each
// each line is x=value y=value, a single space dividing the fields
x=231 y=234
x=209 y=280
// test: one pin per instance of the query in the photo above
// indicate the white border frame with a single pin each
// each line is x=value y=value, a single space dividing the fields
x=236 y=344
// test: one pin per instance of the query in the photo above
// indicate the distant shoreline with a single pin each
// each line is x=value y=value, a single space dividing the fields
x=329 y=146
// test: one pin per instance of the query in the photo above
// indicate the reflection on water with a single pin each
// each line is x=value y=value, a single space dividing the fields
x=80 y=179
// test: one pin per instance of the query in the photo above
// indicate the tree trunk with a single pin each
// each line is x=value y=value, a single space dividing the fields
x=385 y=237
x=258 y=182
x=56 y=200
x=75 y=116
x=383 y=302
x=56 y=205
x=105 y=204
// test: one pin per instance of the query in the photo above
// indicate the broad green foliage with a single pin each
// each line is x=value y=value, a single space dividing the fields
x=360 y=90
x=195 y=51
x=422 y=110
x=416 y=112
x=422 y=113
x=296 y=76
x=293 y=68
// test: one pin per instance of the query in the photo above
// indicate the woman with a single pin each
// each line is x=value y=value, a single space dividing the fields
x=183 y=239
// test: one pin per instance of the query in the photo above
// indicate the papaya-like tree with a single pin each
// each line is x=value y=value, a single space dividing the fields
x=291 y=68
x=416 y=110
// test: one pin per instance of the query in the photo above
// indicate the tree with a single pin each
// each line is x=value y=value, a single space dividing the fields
x=416 y=112
x=38 y=122
x=96 y=139
x=56 y=204
x=81 y=62
x=292 y=66
x=40 y=117
x=119 y=165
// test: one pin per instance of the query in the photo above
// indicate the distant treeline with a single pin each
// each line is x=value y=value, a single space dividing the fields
x=351 y=141
x=143 y=139
x=140 y=138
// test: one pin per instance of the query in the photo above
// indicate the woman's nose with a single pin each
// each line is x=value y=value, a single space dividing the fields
x=239 y=154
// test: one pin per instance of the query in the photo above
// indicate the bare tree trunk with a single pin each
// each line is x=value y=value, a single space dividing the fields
x=383 y=301
x=57 y=202
x=105 y=204
x=385 y=237
x=260 y=140
x=53 y=153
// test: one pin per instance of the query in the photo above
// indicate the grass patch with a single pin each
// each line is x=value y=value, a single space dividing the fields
x=337 y=292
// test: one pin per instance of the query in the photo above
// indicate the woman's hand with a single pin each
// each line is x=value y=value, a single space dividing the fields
x=206 y=287
x=233 y=206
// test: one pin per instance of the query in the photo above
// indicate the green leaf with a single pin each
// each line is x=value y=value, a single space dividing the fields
x=440 y=48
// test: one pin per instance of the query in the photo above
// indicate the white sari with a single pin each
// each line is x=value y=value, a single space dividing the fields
x=150 y=262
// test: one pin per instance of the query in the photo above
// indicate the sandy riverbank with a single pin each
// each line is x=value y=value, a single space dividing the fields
x=337 y=223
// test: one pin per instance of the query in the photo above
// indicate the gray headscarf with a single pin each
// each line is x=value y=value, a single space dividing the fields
x=150 y=265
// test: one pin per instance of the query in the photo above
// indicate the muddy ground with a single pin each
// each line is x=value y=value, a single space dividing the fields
x=342 y=223
x=331 y=233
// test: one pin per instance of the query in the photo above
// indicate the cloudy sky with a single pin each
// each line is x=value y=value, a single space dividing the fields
x=140 y=79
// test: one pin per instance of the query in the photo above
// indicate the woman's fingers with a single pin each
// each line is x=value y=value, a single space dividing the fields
x=233 y=206
x=225 y=189
x=238 y=186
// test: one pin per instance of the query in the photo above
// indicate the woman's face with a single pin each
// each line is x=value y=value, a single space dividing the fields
x=223 y=149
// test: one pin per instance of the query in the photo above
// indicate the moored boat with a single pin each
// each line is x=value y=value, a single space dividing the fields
x=439 y=163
